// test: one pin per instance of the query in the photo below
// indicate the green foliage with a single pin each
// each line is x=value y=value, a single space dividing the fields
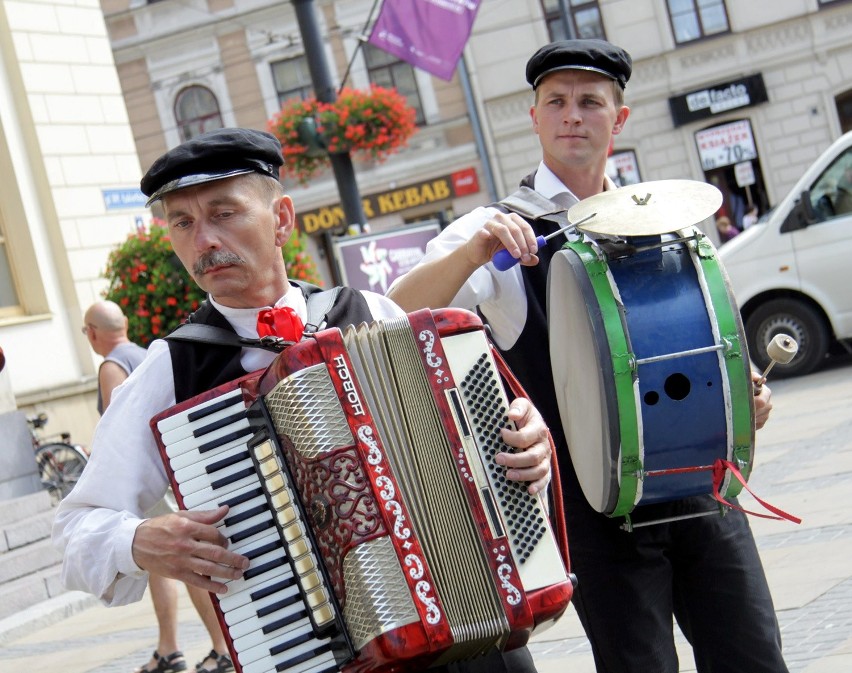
x=156 y=293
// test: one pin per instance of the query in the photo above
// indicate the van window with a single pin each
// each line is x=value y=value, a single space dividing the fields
x=831 y=194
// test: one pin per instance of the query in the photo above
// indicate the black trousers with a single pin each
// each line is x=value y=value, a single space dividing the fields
x=705 y=571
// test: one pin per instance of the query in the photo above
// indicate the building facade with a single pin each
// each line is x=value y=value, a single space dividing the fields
x=740 y=94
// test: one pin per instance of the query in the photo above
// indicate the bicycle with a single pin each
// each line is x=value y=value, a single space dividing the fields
x=60 y=462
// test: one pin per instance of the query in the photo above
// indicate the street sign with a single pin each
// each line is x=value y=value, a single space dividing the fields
x=744 y=173
x=726 y=144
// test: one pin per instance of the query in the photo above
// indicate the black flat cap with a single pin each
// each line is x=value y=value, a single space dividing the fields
x=595 y=55
x=215 y=155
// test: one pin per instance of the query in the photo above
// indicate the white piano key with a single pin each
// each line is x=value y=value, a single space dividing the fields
x=191 y=442
x=242 y=583
x=194 y=456
x=257 y=644
x=251 y=607
x=256 y=623
x=199 y=467
x=263 y=522
x=230 y=399
x=211 y=480
x=324 y=663
x=192 y=500
x=225 y=497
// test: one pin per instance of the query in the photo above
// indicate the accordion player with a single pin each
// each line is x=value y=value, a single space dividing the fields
x=360 y=475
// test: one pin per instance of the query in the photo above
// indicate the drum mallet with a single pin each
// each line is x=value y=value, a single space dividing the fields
x=782 y=349
x=503 y=260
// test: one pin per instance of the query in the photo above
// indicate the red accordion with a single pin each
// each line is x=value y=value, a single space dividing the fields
x=360 y=474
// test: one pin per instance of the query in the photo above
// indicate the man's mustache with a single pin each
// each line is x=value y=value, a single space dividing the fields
x=210 y=260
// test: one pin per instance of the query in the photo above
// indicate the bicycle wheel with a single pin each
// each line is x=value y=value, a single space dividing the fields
x=60 y=466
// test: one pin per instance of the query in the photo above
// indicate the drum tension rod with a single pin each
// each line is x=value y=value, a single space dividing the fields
x=724 y=346
x=628 y=525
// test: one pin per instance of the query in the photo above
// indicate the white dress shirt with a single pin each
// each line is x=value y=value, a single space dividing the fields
x=95 y=524
x=500 y=295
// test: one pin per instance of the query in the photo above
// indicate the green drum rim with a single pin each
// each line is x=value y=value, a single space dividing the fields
x=736 y=362
x=623 y=359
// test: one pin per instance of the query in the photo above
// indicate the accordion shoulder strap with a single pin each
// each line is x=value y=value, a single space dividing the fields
x=557 y=508
x=318 y=306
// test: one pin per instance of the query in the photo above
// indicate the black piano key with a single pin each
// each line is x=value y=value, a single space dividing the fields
x=304 y=656
x=248 y=514
x=217 y=465
x=263 y=549
x=243 y=497
x=223 y=403
x=273 y=588
x=254 y=572
x=279 y=605
x=221 y=423
x=231 y=478
x=281 y=623
x=224 y=439
x=252 y=530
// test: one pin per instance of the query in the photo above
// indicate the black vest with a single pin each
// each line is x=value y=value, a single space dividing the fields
x=198 y=367
x=529 y=357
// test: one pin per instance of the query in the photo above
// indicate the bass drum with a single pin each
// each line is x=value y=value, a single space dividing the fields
x=650 y=369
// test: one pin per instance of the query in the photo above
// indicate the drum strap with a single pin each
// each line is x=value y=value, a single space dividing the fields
x=531 y=205
x=719 y=468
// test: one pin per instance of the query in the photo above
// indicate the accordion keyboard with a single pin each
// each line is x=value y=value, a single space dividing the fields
x=270 y=614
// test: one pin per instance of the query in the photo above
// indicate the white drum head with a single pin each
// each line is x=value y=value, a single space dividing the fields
x=584 y=394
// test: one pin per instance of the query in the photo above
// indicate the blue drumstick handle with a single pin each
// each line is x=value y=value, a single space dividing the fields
x=503 y=260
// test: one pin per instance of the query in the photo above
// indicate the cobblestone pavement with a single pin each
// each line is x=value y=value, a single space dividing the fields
x=803 y=465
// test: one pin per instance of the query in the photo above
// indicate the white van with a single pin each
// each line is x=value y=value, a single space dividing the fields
x=792 y=271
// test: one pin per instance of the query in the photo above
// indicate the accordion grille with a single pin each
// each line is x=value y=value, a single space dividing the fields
x=305 y=407
x=377 y=596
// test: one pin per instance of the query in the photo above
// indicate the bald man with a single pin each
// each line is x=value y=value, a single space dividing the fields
x=105 y=325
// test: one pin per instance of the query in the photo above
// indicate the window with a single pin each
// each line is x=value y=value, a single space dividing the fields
x=831 y=194
x=585 y=18
x=292 y=79
x=196 y=112
x=696 y=19
x=9 y=301
x=386 y=70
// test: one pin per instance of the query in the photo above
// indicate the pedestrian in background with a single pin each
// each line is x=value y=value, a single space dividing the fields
x=105 y=326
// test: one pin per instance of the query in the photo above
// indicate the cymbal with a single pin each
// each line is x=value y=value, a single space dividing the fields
x=647 y=208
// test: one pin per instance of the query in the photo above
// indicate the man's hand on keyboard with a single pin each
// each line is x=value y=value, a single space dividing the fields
x=188 y=547
x=532 y=462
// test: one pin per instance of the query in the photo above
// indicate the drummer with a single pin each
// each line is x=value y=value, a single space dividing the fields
x=705 y=570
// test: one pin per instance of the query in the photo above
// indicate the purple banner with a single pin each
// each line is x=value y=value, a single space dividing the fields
x=374 y=261
x=428 y=34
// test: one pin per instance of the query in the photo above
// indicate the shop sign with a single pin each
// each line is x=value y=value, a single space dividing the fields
x=622 y=168
x=726 y=144
x=373 y=261
x=717 y=99
x=460 y=183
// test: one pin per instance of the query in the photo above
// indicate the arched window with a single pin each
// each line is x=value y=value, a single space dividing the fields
x=196 y=111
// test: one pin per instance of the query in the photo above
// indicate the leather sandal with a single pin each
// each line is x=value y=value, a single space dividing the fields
x=174 y=663
x=222 y=663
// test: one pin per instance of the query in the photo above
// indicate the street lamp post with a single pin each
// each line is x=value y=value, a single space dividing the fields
x=341 y=162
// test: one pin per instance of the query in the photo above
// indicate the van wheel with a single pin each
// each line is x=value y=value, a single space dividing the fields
x=793 y=317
